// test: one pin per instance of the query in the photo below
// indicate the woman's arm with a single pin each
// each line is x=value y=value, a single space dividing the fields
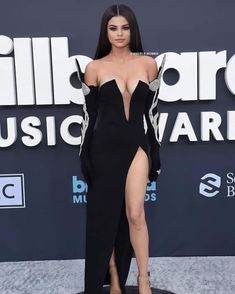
x=150 y=67
x=90 y=75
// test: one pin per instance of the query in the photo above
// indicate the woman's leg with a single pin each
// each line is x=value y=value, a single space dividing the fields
x=136 y=183
x=114 y=280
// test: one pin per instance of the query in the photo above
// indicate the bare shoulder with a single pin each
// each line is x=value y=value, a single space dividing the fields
x=90 y=75
x=151 y=67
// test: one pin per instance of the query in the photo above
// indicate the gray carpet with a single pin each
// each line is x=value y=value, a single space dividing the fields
x=181 y=275
x=134 y=290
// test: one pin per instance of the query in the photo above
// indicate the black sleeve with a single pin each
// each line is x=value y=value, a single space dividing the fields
x=152 y=120
x=88 y=123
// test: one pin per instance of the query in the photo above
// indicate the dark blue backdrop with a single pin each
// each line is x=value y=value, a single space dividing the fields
x=181 y=220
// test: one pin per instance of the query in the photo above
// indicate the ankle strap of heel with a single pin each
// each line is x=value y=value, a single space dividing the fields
x=144 y=276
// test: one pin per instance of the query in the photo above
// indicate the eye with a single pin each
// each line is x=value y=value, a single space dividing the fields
x=126 y=28
x=112 y=28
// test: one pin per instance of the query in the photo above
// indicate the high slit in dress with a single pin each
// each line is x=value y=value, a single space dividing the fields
x=109 y=144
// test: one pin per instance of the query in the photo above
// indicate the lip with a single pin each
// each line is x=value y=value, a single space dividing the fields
x=120 y=40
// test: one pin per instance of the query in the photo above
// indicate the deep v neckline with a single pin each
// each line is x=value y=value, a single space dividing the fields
x=121 y=95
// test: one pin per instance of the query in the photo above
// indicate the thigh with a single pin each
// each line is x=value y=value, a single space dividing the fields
x=136 y=182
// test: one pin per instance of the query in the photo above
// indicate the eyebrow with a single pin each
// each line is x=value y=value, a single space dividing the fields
x=127 y=24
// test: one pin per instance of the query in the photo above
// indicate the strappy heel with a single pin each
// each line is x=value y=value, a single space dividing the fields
x=144 y=278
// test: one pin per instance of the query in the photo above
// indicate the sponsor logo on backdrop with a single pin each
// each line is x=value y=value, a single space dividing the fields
x=40 y=74
x=80 y=188
x=211 y=185
x=230 y=181
x=12 y=191
x=151 y=192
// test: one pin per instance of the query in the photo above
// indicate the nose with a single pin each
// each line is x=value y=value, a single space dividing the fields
x=119 y=32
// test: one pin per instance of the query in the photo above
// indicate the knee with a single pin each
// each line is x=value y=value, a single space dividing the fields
x=136 y=218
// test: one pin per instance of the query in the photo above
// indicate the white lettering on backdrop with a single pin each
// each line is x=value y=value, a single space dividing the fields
x=40 y=71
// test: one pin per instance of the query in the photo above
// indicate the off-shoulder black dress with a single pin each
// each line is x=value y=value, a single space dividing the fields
x=109 y=144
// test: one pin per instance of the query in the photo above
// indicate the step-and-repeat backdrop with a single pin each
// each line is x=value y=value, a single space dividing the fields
x=190 y=210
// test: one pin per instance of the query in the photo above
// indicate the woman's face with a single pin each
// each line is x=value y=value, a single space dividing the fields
x=118 y=31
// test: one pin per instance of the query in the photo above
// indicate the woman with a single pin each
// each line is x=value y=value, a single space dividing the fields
x=117 y=156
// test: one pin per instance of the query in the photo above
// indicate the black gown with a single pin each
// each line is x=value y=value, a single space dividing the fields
x=109 y=144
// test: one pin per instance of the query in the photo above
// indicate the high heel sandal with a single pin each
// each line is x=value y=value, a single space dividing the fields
x=146 y=278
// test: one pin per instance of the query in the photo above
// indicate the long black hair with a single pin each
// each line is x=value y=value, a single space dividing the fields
x=104 y=46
